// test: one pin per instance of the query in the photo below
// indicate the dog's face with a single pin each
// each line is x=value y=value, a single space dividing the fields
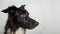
x=21 y=17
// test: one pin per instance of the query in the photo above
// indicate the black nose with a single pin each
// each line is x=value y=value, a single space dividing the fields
x=36 y=23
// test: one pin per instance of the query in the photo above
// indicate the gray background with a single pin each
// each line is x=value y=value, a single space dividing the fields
x=46 y=12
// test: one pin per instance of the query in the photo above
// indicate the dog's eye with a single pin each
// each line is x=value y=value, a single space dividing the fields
x=23 y=15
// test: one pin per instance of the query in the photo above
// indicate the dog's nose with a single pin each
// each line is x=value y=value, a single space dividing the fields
x=36 y=23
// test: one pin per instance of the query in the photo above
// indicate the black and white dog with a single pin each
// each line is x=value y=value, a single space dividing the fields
x=18 y=20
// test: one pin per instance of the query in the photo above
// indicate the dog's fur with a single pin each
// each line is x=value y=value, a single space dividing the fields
x=18 y=17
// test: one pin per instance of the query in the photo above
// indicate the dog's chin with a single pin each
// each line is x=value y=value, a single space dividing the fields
x=32 y=27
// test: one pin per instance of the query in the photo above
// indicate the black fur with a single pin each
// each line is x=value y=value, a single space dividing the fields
x=18 y=17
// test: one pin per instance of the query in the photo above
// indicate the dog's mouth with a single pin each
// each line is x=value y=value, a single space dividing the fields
x=33 y=24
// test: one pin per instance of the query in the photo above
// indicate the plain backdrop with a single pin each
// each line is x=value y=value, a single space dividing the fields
x=46 y=12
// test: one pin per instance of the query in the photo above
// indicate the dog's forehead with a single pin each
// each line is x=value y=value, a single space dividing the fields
x=22 y=10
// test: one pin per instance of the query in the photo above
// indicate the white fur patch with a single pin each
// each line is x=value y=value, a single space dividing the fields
x=9 y=32
x=20 y=30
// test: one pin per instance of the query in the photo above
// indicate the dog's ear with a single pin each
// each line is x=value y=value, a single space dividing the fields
x=5 y=10
x=8 y=9
x=22 y=6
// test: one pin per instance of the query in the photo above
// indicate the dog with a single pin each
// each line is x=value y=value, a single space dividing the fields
x=18 y=19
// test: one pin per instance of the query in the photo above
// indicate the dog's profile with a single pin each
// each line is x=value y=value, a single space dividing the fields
x=18 y=18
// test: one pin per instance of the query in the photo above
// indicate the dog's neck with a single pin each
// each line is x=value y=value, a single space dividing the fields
x=20 y=30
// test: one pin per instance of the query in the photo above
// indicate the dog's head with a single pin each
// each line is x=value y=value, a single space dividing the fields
x=21 y=17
